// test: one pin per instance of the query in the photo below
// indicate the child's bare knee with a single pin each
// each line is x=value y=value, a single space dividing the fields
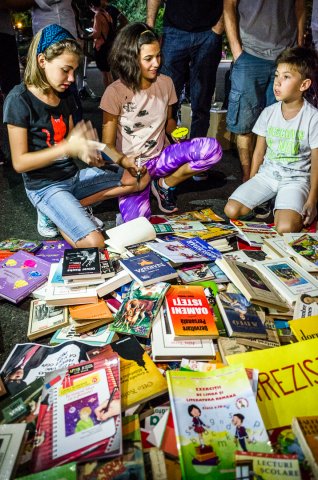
x=233 y=209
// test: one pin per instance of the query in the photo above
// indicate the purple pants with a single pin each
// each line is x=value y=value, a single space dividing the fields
x=200 y=153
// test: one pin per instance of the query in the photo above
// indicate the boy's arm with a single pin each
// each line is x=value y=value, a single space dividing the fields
x=258 y=155
x=152 y=11
x=310 y=208
x=232 y=27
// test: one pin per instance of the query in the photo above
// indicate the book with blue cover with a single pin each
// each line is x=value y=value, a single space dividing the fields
x=201 y=246
x=148 y=269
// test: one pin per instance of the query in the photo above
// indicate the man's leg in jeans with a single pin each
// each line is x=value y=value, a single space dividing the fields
x=175 y=59
x=206 y=54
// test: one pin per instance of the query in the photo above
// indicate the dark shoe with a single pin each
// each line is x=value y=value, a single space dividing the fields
x=166 y=197
x=263 y=211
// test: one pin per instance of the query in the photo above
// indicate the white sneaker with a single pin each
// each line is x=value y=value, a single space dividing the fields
x=46 y=227
x=99 y=223
x=200 y=177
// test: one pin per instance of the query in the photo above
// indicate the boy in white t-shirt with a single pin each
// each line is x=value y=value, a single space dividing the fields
x=285 y=160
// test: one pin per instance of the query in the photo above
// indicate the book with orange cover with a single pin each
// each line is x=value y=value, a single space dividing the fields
x=189 y=312
x=91 y=311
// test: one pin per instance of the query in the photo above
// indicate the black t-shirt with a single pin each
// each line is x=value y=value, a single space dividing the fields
x=46 y=126
x=192 y=15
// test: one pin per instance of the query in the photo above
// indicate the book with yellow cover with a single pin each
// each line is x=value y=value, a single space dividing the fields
x=287 y=381
x=305 y=328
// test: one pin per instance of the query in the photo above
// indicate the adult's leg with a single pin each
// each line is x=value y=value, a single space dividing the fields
x=175 y=59
x=206 y=52
x=251 y=78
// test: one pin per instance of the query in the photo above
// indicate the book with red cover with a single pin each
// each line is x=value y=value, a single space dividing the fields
x=80 y=414
x=20 y=274
x=189 y=313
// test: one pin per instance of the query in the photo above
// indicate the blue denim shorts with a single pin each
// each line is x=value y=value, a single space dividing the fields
x=252 y=81
x=60 y=201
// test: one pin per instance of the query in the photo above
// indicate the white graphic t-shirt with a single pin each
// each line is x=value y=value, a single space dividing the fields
x=142 y=116
x=289 y=142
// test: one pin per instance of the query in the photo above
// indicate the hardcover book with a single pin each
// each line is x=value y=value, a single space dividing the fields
x=81 y=262
x=139 y=309
x=80 y=414
x=166 y=347
x=45 y=319
x=288 y=278
x=140 y=379
x=305 y=429
x=148 y=269
x=267 y=466
x=214 y=413
x=52 y=250
x=240 y=316
x=252 y=283
x=20 y=274
x=287 y=381
x=189 y=312
x=11 y=442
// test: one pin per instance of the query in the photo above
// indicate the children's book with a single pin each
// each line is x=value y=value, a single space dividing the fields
x=266 y=466
x=11 y=442
x=288 y=278
x=251 y=283
x=304 y=247
x=20 y=274
x=305 y=328
x=81 y=262
x=306 y=305
x=52 y=250
x=80 y=414
x=16 y=244
x=287 y=381
x=45 y=319
x=306 y=430
x=177 y=252
x=166 y=347
x=139 y=309
x=214 y=413
x=148 y=269
x=140 y=379
x=189 y=312
x=254 y=233
x=240 y=316
x=98 y=336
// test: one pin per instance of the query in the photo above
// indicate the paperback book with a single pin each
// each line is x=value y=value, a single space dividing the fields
x=288 y=278
x=80 y=414
x=305 y=429
x=11 y=443
x=254 y=233
x=81 y=262
x=16 y=244
x=240 y=316
x=202 y=247
x=52 y=250
x=266 y=466
x=177 y=252
x=305 y=249
x=139 y=309
x=304 y=328
x=45 y=319
x=140 y=379
x=20 y=274
x=251 y=283
x=306 y=305
x=148 y=269
x=214 y=413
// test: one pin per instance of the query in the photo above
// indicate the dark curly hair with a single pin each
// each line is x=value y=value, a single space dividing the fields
x=124 y=56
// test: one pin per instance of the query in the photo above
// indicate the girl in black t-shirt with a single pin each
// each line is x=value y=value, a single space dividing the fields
x=43 y=143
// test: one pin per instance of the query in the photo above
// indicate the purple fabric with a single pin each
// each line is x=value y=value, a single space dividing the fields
x=200 y=153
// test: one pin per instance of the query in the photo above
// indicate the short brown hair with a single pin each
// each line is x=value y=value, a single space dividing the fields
x=304 y=60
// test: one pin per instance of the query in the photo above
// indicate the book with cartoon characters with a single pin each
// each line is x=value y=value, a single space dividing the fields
x=139 y=309
x=80 y=414
x=20 y=274
x=214 y=413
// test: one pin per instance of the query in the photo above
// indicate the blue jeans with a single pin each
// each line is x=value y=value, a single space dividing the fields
x=194 y=56
x=252 y=81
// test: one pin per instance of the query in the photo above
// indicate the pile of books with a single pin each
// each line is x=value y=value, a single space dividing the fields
x=186 y=348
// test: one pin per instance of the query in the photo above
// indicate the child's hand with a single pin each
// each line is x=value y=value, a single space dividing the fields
x=129 y=163
x=78 y=144
x=309 y=212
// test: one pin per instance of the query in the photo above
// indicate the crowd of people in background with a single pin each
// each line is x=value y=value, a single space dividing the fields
x=144 y=76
